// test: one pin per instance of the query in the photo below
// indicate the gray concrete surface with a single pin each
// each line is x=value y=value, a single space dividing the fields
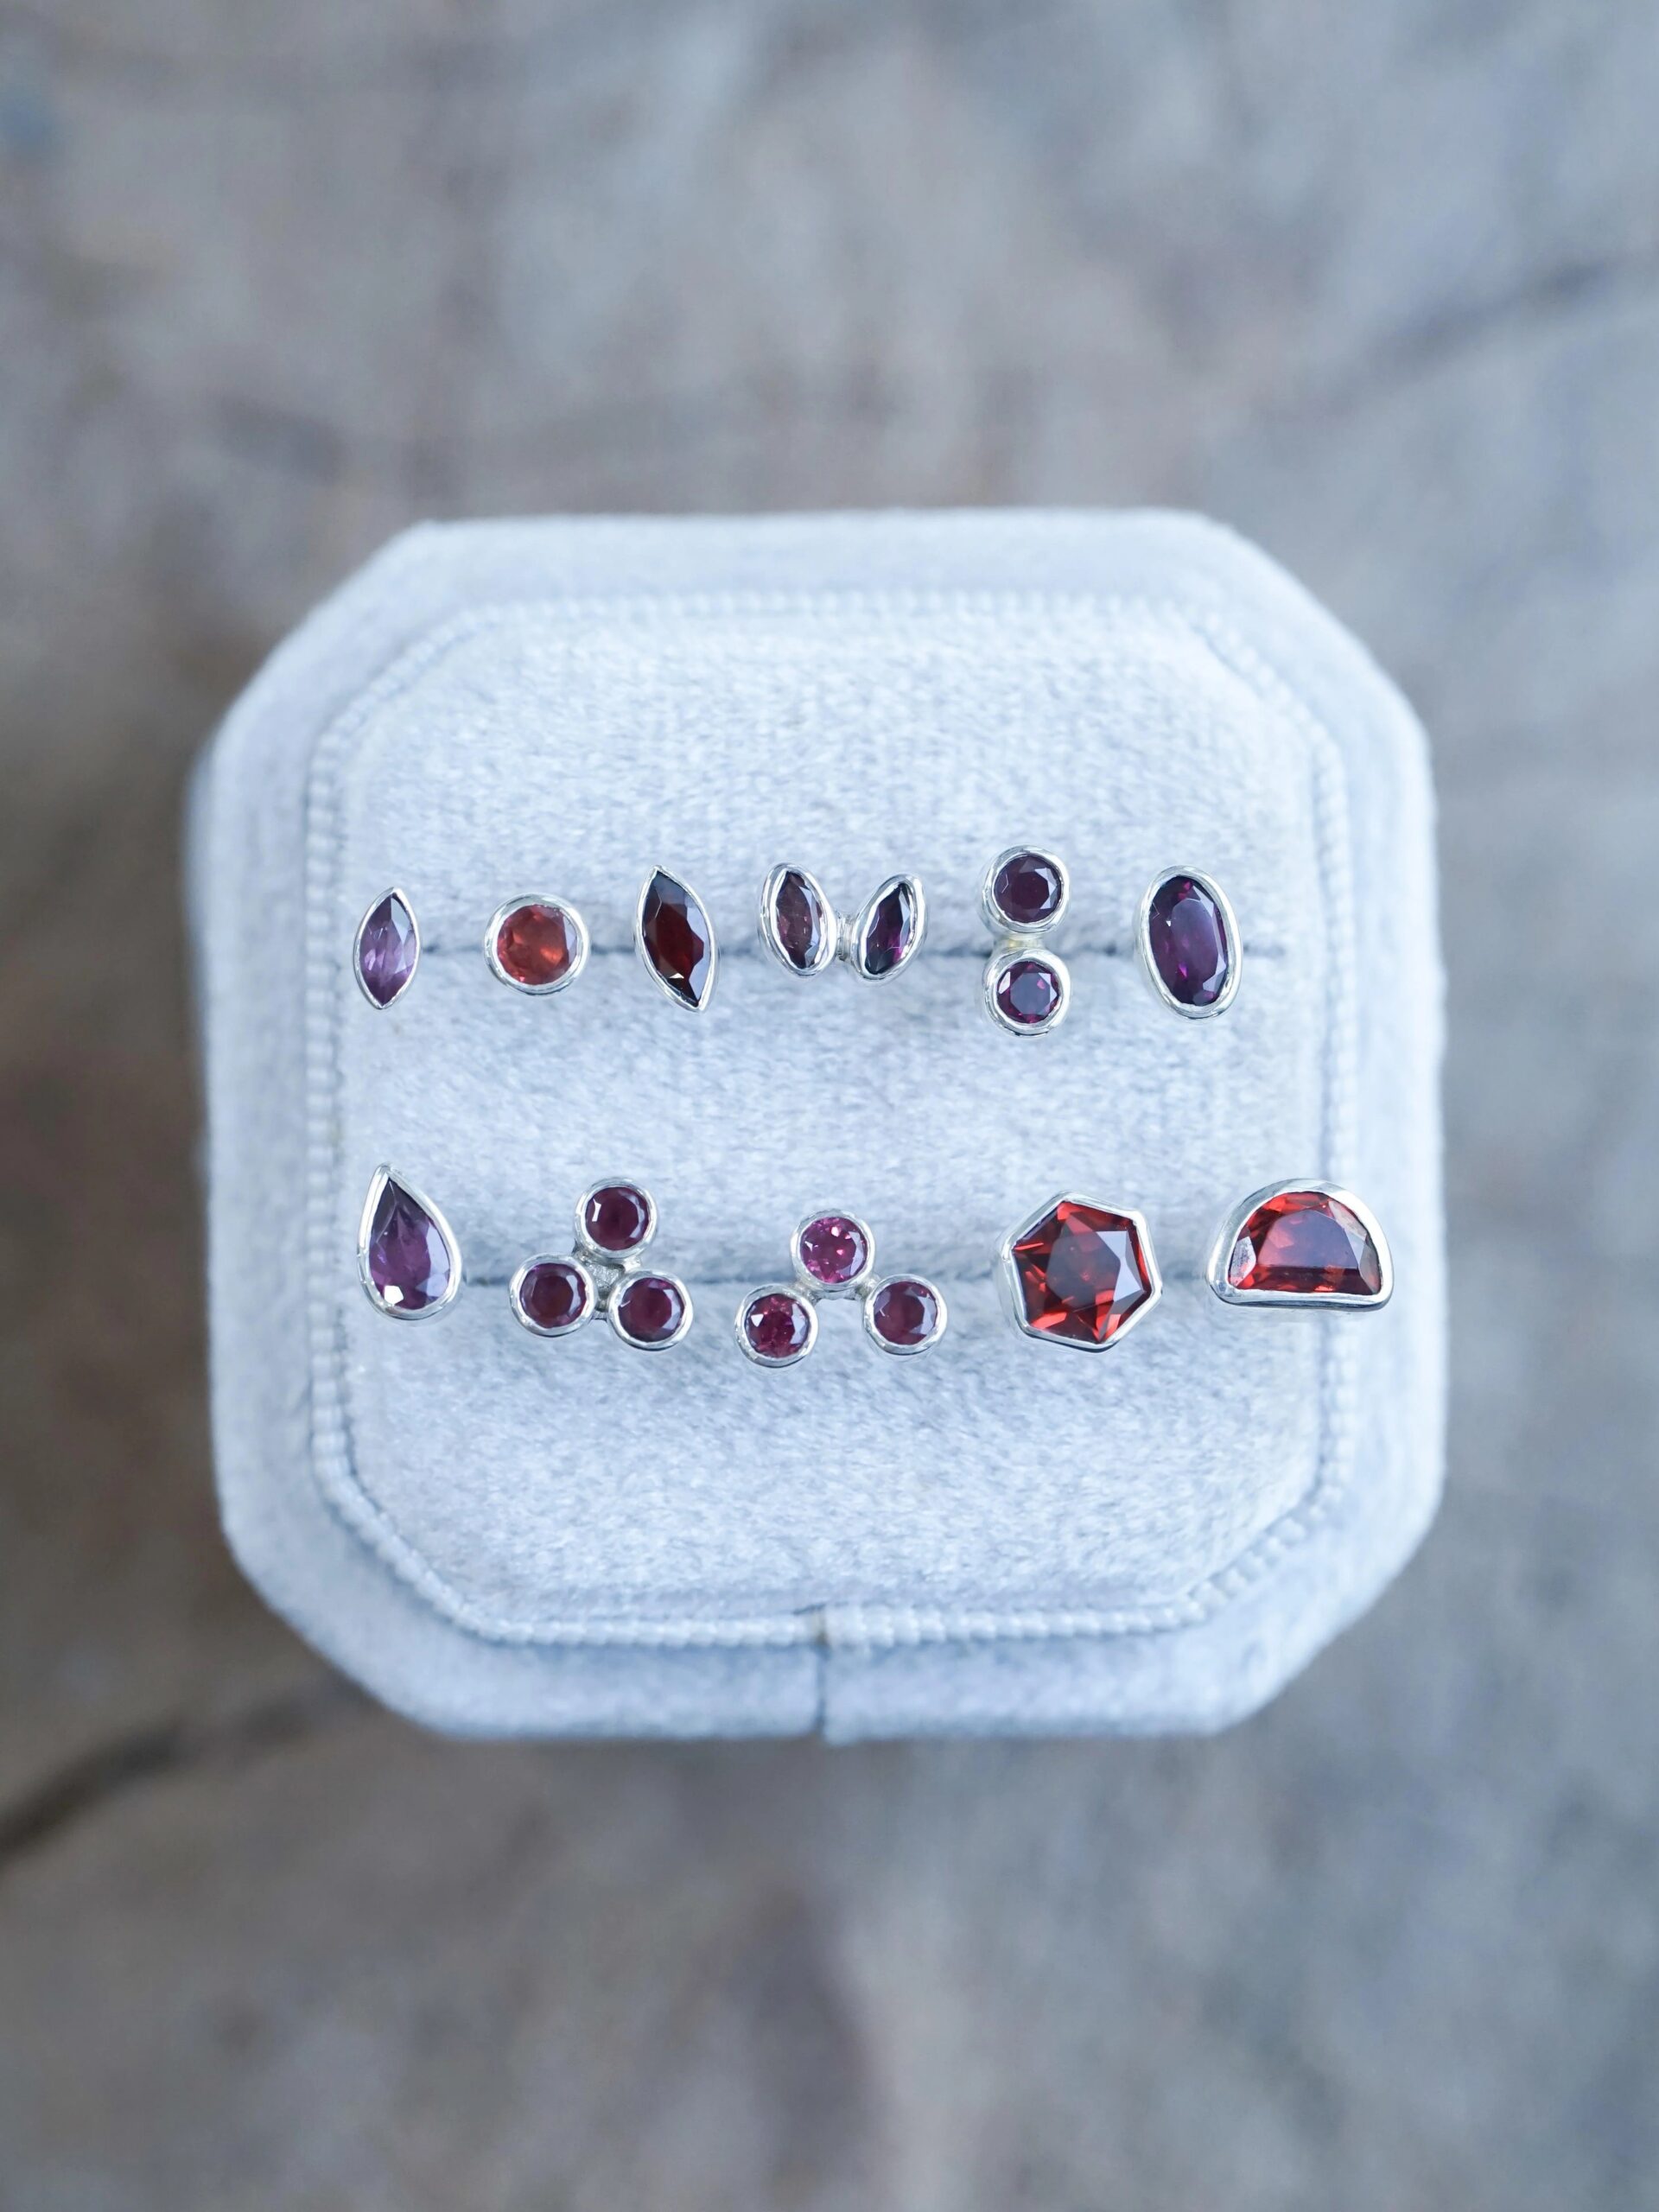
x=1380 y=285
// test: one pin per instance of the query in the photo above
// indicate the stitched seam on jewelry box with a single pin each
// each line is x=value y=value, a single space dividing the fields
x=853 y=1624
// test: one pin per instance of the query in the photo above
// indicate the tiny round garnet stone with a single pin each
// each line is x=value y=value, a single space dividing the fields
x=649 y=1309
x=553 y=1295
x=1187 y=937
x=536 y=946
x=834 y=1250
x=1081 y=1272
x=1306 y=1244
x=777 y=1326
x=617 y=1217
x=1028 y=890
x=905 y=1314
x=1029 y=993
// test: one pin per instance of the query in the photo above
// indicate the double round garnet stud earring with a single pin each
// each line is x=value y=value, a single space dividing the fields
x=1025 y=988
x=833 y=1257
x=802 y=933
x=555 y=1294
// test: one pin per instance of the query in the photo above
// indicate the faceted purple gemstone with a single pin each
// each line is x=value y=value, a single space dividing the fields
x=1186 y=936
x=1027 y=889
x=553 y=1295
x=834 y=1250
x=799 y=920
x=1029 y=993
x=649 y=1309
x=777 y=1326
x=678 y=939
x=905 y=1314
x=388 y=946
x=888 y=937
x=409 y=1261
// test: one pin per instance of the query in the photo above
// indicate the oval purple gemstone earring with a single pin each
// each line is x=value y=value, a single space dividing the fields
x=386 y=948
x=1189 y=945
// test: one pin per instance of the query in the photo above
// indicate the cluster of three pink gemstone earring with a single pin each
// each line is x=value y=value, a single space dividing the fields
x=832 y=1255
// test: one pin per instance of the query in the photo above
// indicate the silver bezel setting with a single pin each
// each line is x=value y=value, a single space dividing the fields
x=383 y=1005
x=1235 y=946
x=777 y=1290
x=1001 y=924
x=855 y=928
x=558 y=1259
x=601 y=1255
x=805 y=1278
x=1307 y=1301
x=612 y=1300
x=1007 y=1272
x=686 y=1006
x=997 y=966
x=578 y=958
x=827 y=950
x=378 y=1182
x=874 y=1290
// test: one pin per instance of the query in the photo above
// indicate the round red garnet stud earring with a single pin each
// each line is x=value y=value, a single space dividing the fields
x=1026 y=989
x=833 y=1257
x=555 y=1294
x=1079 y=1272
x=1307 y=1245
x=537 y=944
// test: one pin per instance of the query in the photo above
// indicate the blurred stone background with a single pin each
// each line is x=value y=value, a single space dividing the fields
x=1380 y=284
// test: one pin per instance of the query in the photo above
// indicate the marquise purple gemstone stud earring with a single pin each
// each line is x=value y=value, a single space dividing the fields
x=386 y=948
x=802 y=933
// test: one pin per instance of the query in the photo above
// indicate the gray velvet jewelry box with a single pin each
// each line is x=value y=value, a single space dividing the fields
x=501 y=1534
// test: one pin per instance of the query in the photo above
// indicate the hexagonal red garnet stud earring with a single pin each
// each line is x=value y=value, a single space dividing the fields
x=833 y=1257
x=555 y=1294
x=1307 y=1245
x=1079 y=1272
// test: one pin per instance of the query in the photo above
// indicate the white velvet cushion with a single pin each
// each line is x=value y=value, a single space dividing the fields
x=501 y=1533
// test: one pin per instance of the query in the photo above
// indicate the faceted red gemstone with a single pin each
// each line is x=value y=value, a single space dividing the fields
x=777 y=1326
x=1306 y=1243
x=617 y=1217
x=834 y=1250
x=1081 y=1272
x=535 y=945
x=799 y=920
x=905 y=1314
x=553 y=1295
x=678 y=939
x=1186 y=935
x=649 y=1308
x=1028 y=993
x=1027 y=889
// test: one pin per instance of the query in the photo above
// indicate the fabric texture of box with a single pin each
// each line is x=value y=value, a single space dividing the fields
x=497 y=1533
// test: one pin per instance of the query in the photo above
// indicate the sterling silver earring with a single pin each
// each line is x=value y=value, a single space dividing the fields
x=833 y=1257
x=1025 y=988
x=554 y=1294
x=802 y=931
